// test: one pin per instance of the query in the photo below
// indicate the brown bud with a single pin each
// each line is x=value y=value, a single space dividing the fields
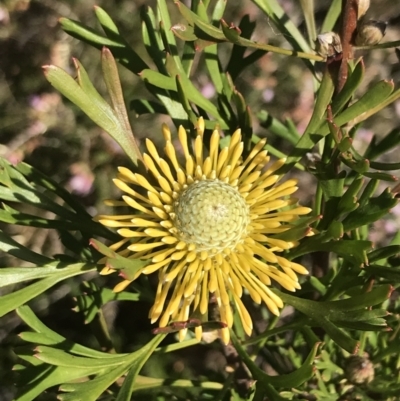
x=363 y=6
x=359 y=370
x=328 y=44
x=370 y=32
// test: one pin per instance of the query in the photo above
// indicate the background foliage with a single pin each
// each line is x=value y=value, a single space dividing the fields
x=75 y=328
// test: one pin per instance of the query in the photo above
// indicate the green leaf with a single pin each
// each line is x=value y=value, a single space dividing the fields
x=85 y=96
x=15 y=299
x=92 y=389
x=14 y=275
x=348 y=201
x=26 y=184
x=353 y=81
x=47 y=377
x=284 y=24
x=294 y=379
x=50 y=337
x=312 y=133
x=184 y=32
x=141 y=357
x=67 y=367
x=338 y=336
x=79 y=31
x=331 y=16
x=144 y=382
x=168 y=83
x=184 y=101
x=127 y=267
x=368 y=192
x=231 y=32
x=209 y=32
x=380 y=176
x=385 y=166
x=8 y=245
x=332 y=187
x=377 y=106
x=383 y=253
x=370 y=212
x=37 y=178
x=367 y=105
x=326 y=313
x=111 y=78
x=152 y=39
x=56 y=357
x=387 y=272
x=363 y=108
x=351 y=250
x=16 y=188
x=309 y=11
x=118 y=45
x=12 y=216
x=276 y=127
x=168 y=36
x=105 y=21
x=143 y=106
x=93 y=298
x=387 y=143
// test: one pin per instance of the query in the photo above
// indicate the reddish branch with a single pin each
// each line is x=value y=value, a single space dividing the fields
x=348 y=28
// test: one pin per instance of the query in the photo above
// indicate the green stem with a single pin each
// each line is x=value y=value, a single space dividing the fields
x=363 y=342
x=100 y=330
x=300 y=322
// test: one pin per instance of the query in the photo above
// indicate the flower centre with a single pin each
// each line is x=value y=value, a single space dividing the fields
x=212 y=215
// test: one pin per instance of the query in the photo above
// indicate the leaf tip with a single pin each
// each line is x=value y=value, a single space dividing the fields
x=93 y=243
x=46 y=68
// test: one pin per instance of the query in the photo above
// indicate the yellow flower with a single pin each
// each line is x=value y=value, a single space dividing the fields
x=208 y=225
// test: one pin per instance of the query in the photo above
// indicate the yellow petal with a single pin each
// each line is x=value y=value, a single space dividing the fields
x=153 y=232
x=144 y=247
x=166 y=132
x=121 y=286
x=170 y=152
x=127 y=175
x=298 y=268
x=125 y=232
x=198 y=150
x=155 y=266
x=244 y=316
x=142 y=181
x=200 y=126
x=179 y=255
x=204 y=294
x=148 y=161
x=225 y=335
x=236 y=154
x=214 y=147
x=138 y=222
x=106 y=270
x=166 y=170
x=152 y=150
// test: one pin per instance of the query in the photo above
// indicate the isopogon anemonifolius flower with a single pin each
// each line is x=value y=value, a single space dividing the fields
x=209 y=226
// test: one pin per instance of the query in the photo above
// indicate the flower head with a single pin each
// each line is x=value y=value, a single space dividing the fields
x=208 y=225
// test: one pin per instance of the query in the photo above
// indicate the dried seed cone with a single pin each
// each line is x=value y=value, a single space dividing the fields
x=359 y=370
x=370 y=32
x=363 y=6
